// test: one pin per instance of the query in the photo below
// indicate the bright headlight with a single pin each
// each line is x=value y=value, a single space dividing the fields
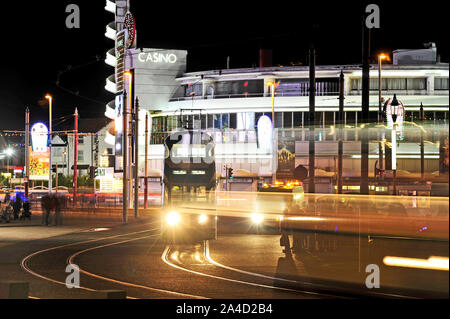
x=257 y=218
x=173 y=218
x=202 y=219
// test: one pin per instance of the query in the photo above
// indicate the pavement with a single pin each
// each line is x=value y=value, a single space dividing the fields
x=18 y=231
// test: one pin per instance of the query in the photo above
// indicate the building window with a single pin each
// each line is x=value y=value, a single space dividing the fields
x=225 y=121
x=392 y=84
x=416 y=84
x=80 y=139
x=279 y=119
x=80 y=156
x=210 y=121
x=233 y=119
x=441 y=83
x=203 y=121
x=351 y=118
x=241 y=88
x=287 y=119
x=245 y=121
x=217 y=121
x=297 y=119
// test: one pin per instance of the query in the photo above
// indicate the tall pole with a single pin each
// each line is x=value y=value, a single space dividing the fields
x=50 y=102
x=136 y=159
x=56 y=178
x=340 y=132
x=125 y=159
x=380 y=115
x=75 y=159
x=379 y=89
x=312 y=110
x=27 y=152
x=273 y=105
x=365 y=110
x=422 y=147
x=146 y=164
x=129 y=136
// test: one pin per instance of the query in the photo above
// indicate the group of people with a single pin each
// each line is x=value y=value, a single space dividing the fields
x=52 y=203
x=10 y=209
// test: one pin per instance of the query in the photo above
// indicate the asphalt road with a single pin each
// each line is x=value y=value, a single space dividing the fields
x=247 y=264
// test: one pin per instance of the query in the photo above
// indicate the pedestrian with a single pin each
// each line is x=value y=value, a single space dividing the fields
x=7 y=198
x=17 y=206
x=57 y=208
x=26 y=213
x=46 y=203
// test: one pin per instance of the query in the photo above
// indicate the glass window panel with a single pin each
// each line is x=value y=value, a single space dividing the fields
x=287 y=119
x=225 y=119
x=297 y=119
x=233 y=119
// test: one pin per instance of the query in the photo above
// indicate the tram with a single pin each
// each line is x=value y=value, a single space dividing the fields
x=189 y=214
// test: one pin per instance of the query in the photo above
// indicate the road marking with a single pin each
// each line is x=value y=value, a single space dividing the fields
x=71 y=258
x=27 y=258
x=212 y=261
x=165 y=259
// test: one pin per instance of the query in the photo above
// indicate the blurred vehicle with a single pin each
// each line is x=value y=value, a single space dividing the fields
x=189 y=188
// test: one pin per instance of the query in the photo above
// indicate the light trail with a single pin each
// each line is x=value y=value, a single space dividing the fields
x=25 y=260
x=124 y=283
x=432 y=263
x=165 y=259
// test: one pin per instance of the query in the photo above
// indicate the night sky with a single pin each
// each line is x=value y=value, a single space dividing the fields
x=36 y=45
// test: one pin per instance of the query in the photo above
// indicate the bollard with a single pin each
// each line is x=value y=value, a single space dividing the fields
x=14 y=290
x=111 y=294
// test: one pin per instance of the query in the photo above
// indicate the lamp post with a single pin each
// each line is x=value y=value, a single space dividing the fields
x=272 y=84
x=381 y=57
x=128 y=159
x=50 y=101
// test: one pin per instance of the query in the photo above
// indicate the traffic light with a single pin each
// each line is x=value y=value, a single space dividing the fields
x=230 y=173
x=378 y=172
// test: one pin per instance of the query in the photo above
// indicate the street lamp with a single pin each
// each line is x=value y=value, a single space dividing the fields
x=272 y=84
x=381 y=57
x=128 y=182
x=50 y=101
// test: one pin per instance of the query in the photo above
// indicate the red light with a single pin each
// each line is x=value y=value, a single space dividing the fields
x=246 y=84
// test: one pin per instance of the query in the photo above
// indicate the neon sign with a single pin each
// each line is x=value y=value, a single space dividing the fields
x=265 y=133
x=156 y=57
x=39 y=137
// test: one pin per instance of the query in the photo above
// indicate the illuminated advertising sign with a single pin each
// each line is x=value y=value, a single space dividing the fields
x=104 y=173
x=120 y=57
x=130 y=25
x=39 y=153
x=157 y=57
x=39 y=165
x=286 y=157
x=265 y=133
x=39 y=137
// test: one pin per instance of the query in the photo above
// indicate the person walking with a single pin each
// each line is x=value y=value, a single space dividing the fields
x=46 y=203
x=57 y=207
x=17 y=206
